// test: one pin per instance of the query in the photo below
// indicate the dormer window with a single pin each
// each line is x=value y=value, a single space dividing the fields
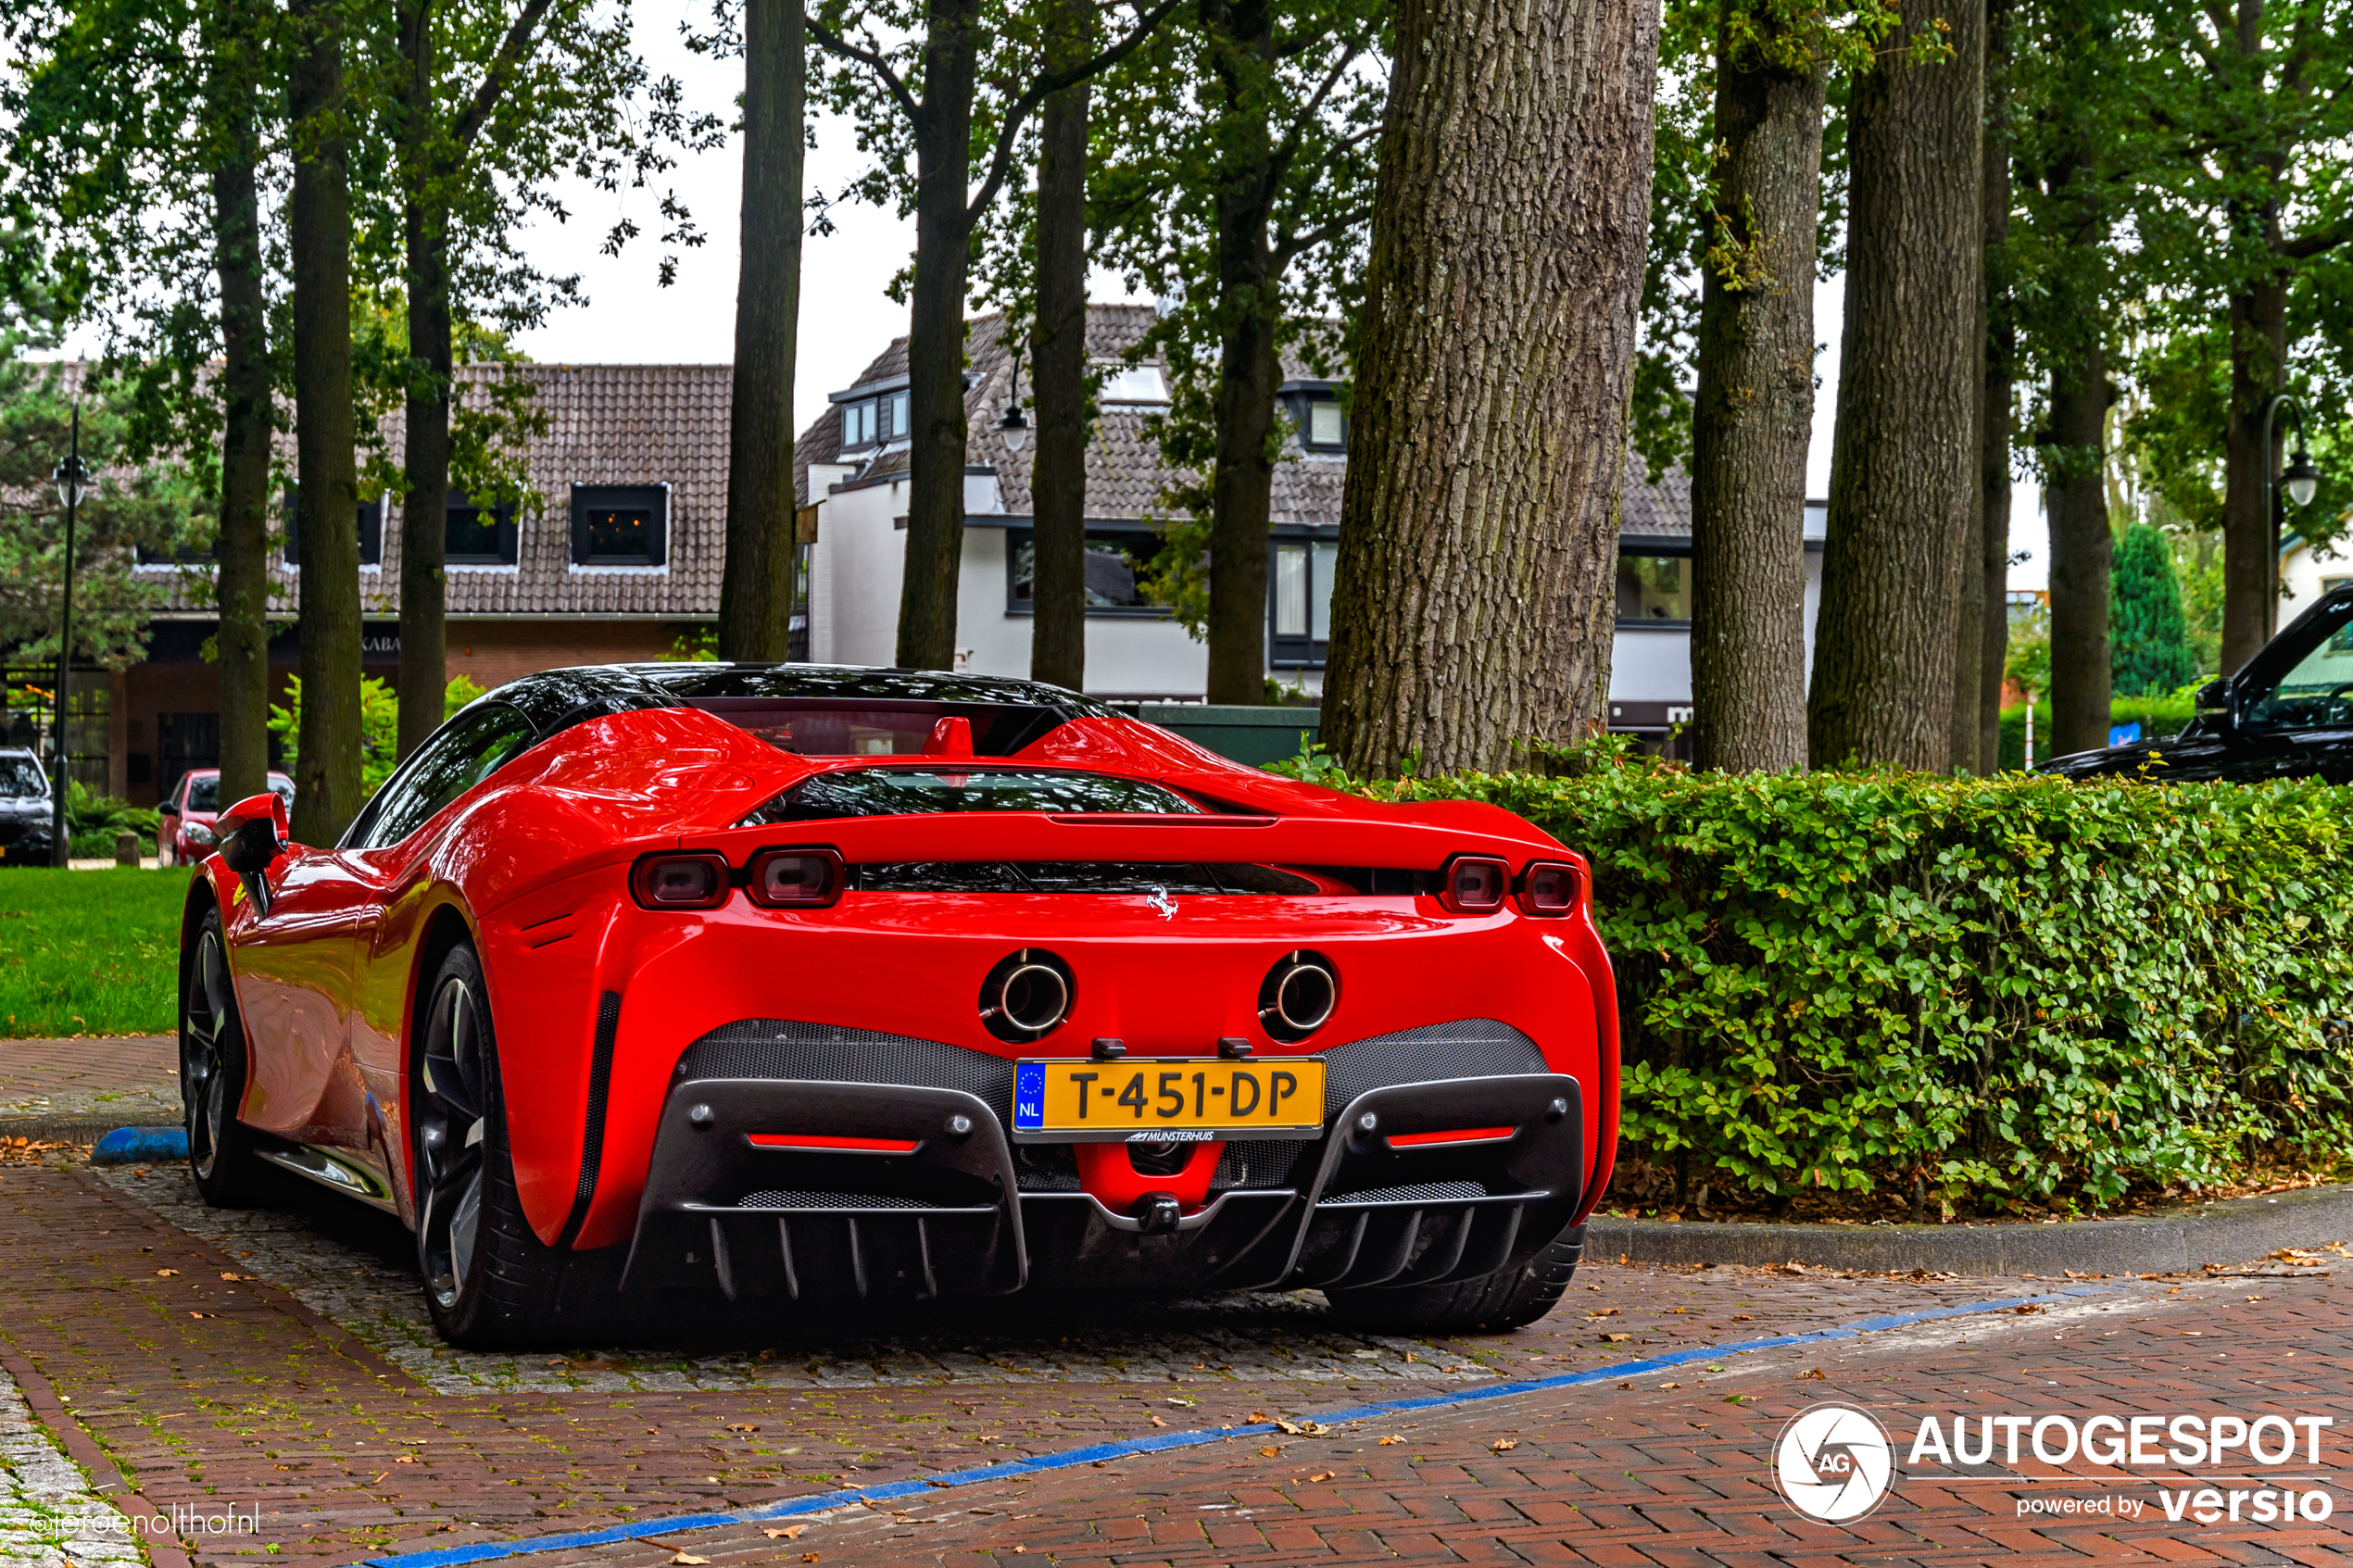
x=1132 y=384
x=1315 y=413
x=1324 y=425
x=873 y=421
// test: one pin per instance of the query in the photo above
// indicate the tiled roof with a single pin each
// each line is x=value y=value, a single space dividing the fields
x=1124 y=473
x=608 y=424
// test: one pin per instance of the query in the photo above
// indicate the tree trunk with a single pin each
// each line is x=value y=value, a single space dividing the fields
x=244 y=542
x=2077 y=499
x=1905 y=458
x=424 y=536
x=2257 y=325
x=936 y=339
x=424 y=517
x=1240 y=45
x=1993 y=413
x=756 y=591
x=326 y=509
x=1478 y=533
x=1058 y=375
x=1753 y=415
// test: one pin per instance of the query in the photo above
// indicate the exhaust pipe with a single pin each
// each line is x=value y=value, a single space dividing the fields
x=1026 y=996
x=1298 y=996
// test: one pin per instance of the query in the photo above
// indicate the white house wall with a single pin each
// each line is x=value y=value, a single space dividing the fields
x=2306 y=575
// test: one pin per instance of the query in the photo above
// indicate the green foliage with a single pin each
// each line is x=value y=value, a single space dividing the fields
x=2009 y=989
x=103 y=816
x=2148 y=638
x=2027 y=662
x=154 y=509
x=89 y=952
x=379 y=724
x=696 y=645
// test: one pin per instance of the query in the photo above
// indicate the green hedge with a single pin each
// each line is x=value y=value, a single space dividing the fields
x=2157 y=716
x=2006 y=989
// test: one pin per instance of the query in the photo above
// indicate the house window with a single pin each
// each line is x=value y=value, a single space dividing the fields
x=1325 y=427
x=1133 y=384
x=873 y=421
x=1654 y=590
x=1117 y=563
x=476 y=535
x=1299 y=593
x=620 y=524
x=371 y=533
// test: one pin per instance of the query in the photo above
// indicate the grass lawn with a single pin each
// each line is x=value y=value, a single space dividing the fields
x=89 y=952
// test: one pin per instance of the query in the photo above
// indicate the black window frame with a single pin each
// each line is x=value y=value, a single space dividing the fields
x=507 y=549
x=1297 y=405
x=586 y=498
x=371 y=533
x=514 y=729
x=1285 y=650
x=1017 y=537
x=1654 y=550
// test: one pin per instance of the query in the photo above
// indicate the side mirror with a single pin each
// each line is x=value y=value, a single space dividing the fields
x=2214 y=697
x=252 y=834
x=168 y=809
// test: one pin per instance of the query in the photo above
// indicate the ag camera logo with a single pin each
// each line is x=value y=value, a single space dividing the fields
x=1833 y=1463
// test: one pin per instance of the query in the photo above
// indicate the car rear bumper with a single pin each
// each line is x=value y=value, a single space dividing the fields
x=930 y=1196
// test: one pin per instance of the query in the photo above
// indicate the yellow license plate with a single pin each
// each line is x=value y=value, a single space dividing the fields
x=1180 y=1101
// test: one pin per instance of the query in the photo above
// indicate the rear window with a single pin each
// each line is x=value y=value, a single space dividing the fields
x=826 y=727
x=905 y=792
x=20 y=778
x=204 y=794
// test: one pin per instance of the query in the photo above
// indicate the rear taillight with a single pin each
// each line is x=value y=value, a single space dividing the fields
x=795 y=879
x=1548 y=887
x=679 y=882
x=1475 y=885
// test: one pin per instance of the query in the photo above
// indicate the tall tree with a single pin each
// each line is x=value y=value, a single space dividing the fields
x=1236 y=188
x=1905 y=456
x=2148 y=629
x=327 y=791
x=1995 y=417
x=233 y=77
x=1752 y=416
x=917 y=101
x=1058 y=356
x=2075 y=498
x=484 y=106
x=756 y=594
x=1479 y=528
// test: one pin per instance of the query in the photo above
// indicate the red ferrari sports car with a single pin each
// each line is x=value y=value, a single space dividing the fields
x=801 y=982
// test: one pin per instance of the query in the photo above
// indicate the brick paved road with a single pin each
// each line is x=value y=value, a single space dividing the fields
x=78 y=1074
x=199 y=1388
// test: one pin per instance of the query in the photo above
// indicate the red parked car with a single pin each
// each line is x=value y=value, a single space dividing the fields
x=184 y=822
x=795 y=982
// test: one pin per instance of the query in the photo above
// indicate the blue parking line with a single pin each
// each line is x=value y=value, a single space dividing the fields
x=1097 y=1453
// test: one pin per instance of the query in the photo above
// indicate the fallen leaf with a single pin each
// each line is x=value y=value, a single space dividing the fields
x=1157 y=1422
x=1615 y=1338
x=1271 y=1452
x=787 y=1533
x=689 y=1560
x=1505 y=1445
x=200 y=1314
x=1603 y=1312
x=1186 y=1404
x=1305 y=1428
x=811 y=1557
x=1743 y=1317
x=1321 y=1476
x=166 y=1273
x=2193 y=1333
x=1665 y=1386
x=739 y=1427
x=2025 y=1307
x=231 y=1276
x=1387 y=1441
x=1816 y=1372
x=408 y=1459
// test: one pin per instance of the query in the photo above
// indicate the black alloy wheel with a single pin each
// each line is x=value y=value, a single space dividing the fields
x=490 y=1282
x=213 y=1076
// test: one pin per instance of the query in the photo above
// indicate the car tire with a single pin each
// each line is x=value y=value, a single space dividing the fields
x=1506 y=1300
x=489 y=1282
x=213 y=1066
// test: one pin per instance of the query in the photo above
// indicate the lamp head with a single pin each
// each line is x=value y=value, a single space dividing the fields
x=2301 y=479
x=72 y=477
x=1014 y=428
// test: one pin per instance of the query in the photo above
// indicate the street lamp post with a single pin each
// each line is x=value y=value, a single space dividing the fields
x=1014 y=428
x=2300 y=479
x=72 y=479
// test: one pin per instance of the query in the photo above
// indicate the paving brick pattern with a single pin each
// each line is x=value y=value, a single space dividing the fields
x=55 y=1076
x=201 y=1388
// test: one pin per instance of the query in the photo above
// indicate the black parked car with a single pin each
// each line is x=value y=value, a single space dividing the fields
x=2286 y=714
x=25 y=810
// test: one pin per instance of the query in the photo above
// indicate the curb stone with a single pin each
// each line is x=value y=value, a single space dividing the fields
x=2230 y=1232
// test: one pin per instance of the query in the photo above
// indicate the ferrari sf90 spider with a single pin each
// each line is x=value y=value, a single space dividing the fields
x=802 y=983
